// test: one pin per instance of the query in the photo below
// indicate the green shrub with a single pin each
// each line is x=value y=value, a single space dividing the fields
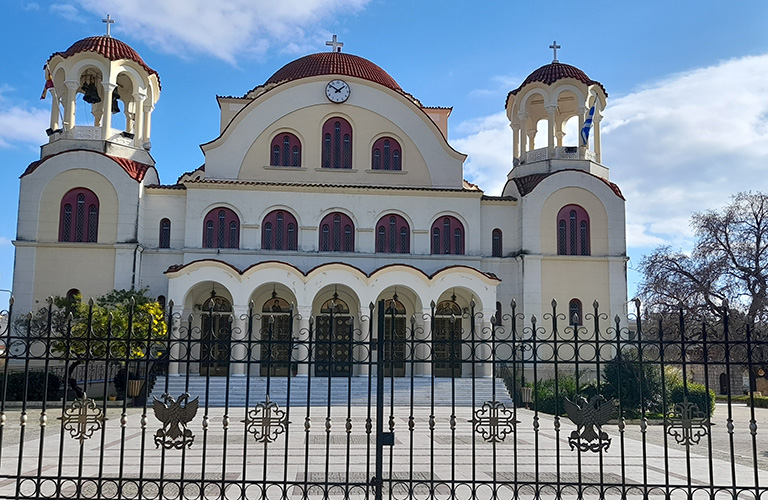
x=35 y=386
x=546 y=400
x=761 y=402
x=697 y=394
x=632 y=382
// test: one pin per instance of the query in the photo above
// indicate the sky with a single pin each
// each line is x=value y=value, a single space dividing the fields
x=686 y=125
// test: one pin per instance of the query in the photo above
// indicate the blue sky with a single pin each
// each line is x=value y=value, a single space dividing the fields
x=686 y=123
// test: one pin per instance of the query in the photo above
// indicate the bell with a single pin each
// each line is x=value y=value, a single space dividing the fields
x=90 y=93
x=115 y=105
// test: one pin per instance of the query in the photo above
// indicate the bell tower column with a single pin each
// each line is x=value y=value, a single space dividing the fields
x=69 y=110
x=54 y=110
x=148 y=108
x=522 y=117
x=551 y=110
x=138 y=129
x=515 y=140
x=106 y=126
x=596 y=120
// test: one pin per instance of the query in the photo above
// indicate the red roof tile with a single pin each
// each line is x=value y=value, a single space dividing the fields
x=333 y=63
x=134 y=169
x=550 y=73
x=528 y=183
x=109 y=47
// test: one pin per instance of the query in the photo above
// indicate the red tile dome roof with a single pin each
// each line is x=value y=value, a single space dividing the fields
x=550 y=73
x=109 y=47
x=333 y=63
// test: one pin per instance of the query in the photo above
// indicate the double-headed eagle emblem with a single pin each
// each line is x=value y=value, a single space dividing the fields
x=589 y=417
x=174 y=433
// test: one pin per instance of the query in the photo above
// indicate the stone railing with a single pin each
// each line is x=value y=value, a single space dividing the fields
x=540 y=154
x=85 y=133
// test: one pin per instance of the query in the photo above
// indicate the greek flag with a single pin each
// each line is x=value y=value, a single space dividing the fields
x=587 y=125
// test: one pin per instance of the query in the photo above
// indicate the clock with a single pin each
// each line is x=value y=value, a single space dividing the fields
x=337 y=91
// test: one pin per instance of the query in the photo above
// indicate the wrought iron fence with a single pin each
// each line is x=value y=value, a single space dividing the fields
x=447 y=405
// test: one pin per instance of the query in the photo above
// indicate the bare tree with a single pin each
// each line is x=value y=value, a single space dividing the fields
x=727 y=269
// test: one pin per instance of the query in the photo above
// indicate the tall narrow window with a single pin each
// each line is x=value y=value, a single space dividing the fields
x=393 y=234
x=496 y=243
x=79 y=216
x=285 y=151
x=574 y=312
x=165 y=233
x=221 y=229
x=279 y=231
x=337 y=143
x=573 y=236
x=447 y=236
x=337 y=233
x=386 y=154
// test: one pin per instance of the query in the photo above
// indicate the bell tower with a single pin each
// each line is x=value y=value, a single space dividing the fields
x=561 y=96
x=102 y=97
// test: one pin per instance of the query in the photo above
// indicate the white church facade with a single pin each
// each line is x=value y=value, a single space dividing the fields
x=326 y=182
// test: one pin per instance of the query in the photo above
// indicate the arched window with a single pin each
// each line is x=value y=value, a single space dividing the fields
x=221 y=229
x=573 y=231
x=386 y=154
x=285 y=151
x=337 y=143
x=79 y=216
x=278 y=231
x=393 y=235
x=447 y=236
x=574 y=312
x=496 y=243
x=165 y=234
x=337 y=233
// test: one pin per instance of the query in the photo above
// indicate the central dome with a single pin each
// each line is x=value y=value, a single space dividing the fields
x=333 y=63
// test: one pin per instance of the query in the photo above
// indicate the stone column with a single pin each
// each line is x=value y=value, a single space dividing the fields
x=596 y=125
x=106 y=125
x=138 y=138
x=69 y=110
x=522 y=118
x=515 y=142
x=551 y=110
x=239 y=341
x=54 y=125
x=531 y=139
x=147 y=123
x=302 y=341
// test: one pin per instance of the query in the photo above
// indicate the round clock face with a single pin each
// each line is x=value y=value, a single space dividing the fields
x=337 y=91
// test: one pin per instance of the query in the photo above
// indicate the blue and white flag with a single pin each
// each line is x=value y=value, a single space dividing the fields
x=587 y=125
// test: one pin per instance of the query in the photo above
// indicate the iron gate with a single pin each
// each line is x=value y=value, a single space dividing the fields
x=449 y=405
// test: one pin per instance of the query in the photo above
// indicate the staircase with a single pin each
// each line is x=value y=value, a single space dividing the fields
x=213 y=391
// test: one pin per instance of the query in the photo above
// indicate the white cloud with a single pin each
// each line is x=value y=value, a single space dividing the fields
x=226 y=30
x=68 y=12
x=5 y=242
x=21 y=124
x=677 y=146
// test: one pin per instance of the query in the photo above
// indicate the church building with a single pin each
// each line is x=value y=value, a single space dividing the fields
x=328 y=185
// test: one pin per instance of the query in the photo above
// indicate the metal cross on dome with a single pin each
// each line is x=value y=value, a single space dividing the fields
x=337 y=45
x=108 y=21
x=554 y=47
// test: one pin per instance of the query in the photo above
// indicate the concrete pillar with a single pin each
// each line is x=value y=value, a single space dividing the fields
x=147 y=123
x=138 y=138
x=54 y=124
x=106 y=125
x=69 y=109
x=302 y=341
x=522 y=118
x=239 y=341
x=551 y=110
x=515 y=142
x=596 y=125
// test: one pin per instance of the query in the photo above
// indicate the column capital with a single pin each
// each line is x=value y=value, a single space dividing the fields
x=109 y=86
x=551 y=108
x=72 y=84
x=139 y=95
x=523 y=115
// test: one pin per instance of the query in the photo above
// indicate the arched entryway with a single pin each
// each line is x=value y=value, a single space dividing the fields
x=394 y=337
x=276 y=337
x=215 y=336
x=446 y=339
x=334 y=328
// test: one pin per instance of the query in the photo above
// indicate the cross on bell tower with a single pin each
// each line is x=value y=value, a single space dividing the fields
x=335 y=44
x=108 y=21
x=554 y=47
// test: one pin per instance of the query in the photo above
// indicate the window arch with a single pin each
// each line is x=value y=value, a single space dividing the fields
x=496 y=243
x=447 y=236
x=386 y=154
x=279 y=231
x=79 y=216
x=221 y=229
x=337 y=143
x=165 y=234
x=285 y=151
x=574 y=312
x=337 y=233
x=573 y=231
x=393 y=235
